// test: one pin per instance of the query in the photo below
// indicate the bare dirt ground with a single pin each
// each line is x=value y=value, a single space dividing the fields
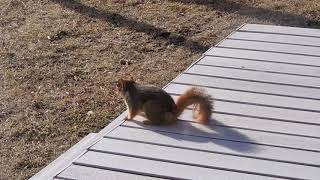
x=59 y=60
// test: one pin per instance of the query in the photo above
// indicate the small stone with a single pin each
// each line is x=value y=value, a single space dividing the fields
x=170 y=46
x=123 y=62
x=90 y=113
x=129 y=62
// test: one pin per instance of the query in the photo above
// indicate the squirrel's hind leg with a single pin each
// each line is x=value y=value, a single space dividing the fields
x=170 y=118
x=153 y=113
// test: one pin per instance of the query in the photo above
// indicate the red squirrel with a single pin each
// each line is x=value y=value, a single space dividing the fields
x=159 y=107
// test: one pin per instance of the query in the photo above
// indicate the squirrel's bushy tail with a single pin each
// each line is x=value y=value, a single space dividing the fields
x=202 y=101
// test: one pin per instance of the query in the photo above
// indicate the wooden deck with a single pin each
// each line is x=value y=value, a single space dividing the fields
x=266 y=123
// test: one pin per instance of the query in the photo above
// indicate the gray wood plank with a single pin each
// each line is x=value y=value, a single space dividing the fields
x=266 y=112
x=83 y=172
x=172 y=139
x=281 y=29
x=301 y=40
x=265 y=56
x=205 y=159
x=271 y=47
x=256 y=76
x=241 y=135
x=258 y=124
x=247 y=86
x=158 y=168
x=253 y=98
x=261 y=66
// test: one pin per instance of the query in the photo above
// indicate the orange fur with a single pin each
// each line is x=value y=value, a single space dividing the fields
x=203 y=104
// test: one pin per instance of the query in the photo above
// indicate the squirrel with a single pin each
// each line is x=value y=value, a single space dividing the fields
x=159 y=107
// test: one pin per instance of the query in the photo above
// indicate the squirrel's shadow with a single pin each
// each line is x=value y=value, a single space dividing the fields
x=215 y=132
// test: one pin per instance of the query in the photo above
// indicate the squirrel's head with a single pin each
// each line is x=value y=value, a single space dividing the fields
x=124 y=86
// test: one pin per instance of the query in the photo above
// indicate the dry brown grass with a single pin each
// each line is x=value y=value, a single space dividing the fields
x=59 y=59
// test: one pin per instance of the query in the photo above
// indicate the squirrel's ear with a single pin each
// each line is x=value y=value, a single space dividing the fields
x=130 y=77
x=120 y=83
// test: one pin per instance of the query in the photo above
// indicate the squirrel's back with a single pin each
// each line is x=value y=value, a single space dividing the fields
x=147 y=93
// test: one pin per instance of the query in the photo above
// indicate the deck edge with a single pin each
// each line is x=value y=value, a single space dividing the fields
x=50 y=171
x=75 y=151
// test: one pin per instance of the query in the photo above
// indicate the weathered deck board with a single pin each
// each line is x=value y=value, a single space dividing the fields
x=242 y=135
x=83 y=172
x=298 y=129
x=271 y=47
x=264 y=37
x=150 y=135
x=265 y=56
x=266 y=112
x=254 y=98
x=281 y=30
x=266 y=122
x=255 y=76
x=158 y=168
x=261 y=66
x=247 y=86
x=205 y=159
